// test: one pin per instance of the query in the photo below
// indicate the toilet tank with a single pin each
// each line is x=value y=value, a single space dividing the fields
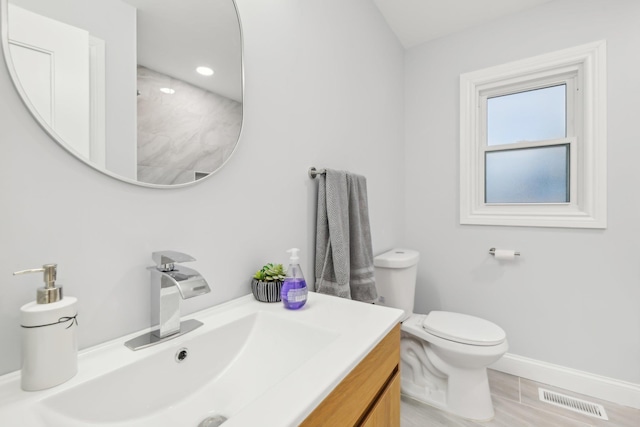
x=396 y=273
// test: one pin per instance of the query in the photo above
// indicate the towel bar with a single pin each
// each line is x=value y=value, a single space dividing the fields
x=313 y=172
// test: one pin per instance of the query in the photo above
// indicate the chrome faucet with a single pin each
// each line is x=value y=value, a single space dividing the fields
x=170 y=284
x=175 y=283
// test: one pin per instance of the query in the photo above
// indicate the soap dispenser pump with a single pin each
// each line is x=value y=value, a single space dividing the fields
x=294 y=289
x=49 y=334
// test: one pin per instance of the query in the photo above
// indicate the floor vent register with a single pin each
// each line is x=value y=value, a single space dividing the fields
x=573 y=404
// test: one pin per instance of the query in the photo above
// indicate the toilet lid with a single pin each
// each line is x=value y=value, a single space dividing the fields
x=463 y=328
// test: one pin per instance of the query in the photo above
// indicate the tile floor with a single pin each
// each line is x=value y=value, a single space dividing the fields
x=516 y=404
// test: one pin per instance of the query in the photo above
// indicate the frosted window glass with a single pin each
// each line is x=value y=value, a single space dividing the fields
x=534 y=115
x=528 y=175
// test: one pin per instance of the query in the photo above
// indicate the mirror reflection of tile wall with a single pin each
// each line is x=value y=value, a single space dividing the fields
x=183 y=131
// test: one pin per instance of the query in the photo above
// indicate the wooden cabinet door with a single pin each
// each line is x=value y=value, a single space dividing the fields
x=386 y=411
x=349 y=403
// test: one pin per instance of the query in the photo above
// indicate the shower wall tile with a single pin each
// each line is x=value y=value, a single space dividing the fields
x=191 y=130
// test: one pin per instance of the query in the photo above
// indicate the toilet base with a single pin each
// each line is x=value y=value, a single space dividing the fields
x=447 y=375
x=467 y=396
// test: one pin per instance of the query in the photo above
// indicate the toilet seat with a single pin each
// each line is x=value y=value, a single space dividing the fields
x=463 y=328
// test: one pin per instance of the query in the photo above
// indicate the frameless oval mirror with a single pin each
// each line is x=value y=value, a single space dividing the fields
x=146 y=91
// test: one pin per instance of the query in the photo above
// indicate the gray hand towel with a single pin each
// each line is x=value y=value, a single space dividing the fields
x=344 y=255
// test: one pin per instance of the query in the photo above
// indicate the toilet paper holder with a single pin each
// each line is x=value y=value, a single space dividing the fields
x=492 y=251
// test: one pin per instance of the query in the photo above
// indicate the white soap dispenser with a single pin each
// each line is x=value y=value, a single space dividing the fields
x=49 y=335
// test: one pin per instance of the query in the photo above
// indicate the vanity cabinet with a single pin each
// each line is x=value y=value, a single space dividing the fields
x=370 y=395
x=386 y=410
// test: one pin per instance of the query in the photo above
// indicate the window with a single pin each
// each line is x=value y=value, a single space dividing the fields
x=527 y=142
x=533 y=141
x=528 y=175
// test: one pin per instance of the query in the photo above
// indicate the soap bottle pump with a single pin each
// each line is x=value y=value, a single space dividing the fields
x=294 y=289
x=49 y=335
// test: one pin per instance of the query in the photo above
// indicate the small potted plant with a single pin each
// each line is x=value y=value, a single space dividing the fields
x=267 y=283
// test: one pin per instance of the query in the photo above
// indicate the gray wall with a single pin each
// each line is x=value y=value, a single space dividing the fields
x=316 y=95
x=573 y=297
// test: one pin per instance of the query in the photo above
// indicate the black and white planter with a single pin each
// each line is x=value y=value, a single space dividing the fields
x=266 y=291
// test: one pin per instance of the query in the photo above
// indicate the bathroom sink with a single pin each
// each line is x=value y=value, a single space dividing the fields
x=223 y=369
x=251 y=363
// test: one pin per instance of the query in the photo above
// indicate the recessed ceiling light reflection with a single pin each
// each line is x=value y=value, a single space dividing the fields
x=167 y=90
x=205 y=71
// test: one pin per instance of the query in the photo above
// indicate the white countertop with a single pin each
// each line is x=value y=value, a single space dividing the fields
x=356 y=329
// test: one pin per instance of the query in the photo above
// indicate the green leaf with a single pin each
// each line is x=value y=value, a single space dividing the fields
x=270 y=272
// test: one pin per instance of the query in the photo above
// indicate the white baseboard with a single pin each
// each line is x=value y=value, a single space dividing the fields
x=609 y=389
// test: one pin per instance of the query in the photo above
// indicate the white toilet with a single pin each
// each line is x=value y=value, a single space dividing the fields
x=444 y=355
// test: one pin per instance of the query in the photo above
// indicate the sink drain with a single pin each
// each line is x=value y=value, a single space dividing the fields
x=213 y=421
x=182 y=354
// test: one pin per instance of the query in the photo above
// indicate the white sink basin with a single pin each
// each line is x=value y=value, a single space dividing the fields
x=253 y=363
x=225 y=368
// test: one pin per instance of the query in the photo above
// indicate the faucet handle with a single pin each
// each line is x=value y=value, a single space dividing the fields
x=165 y=259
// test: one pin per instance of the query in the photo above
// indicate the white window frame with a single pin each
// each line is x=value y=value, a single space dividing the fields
x=583 y=69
